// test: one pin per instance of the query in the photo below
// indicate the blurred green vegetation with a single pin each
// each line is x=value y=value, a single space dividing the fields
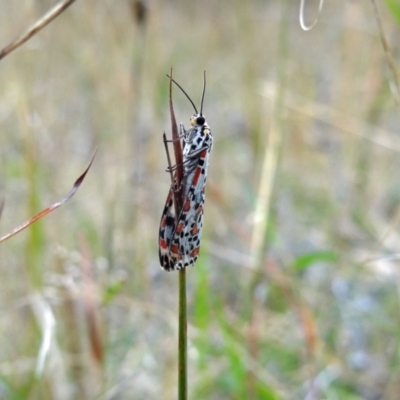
x=295 y=294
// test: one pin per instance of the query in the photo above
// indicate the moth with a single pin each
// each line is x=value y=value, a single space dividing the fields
x=179 y=239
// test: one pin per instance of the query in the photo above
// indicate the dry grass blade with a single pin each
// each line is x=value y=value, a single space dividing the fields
x=48 y=210
x=90 y=305
x=386 y=49
x=265 y=189
x=36 y=27
x=47 y=323
x=303 y=25
x=1 y=206
x=178 y=153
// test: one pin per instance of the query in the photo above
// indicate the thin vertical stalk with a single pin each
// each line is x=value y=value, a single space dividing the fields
x=182 y=339
x=178 y=197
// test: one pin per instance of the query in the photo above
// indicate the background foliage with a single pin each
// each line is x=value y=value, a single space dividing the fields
x=296 y=292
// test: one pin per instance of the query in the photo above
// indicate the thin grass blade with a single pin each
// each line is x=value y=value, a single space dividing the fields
x=48 y=210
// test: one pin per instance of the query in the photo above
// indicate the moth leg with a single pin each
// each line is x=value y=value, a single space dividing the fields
x=197 y=152
x=175 y=167
x=182 y=134
x=173 y=140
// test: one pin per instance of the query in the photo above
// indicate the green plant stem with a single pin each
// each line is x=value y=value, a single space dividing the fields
x=178 y=201
x=182 y=338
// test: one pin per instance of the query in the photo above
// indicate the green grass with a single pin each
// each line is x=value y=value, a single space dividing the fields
x=313 y=310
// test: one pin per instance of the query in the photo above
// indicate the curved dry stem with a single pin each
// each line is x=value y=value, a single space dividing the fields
x=36 y=27
x=303 y=25
x=49 y=209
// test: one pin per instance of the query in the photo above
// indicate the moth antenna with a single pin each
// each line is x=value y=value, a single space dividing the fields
x=180 y=87
x=202 y=96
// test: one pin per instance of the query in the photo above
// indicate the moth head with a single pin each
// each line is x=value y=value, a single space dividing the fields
x=197 y=120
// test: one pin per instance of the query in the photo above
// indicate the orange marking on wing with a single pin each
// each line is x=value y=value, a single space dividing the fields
x=163 y=244
x=179 y=228
x=195 y=252
x=194 y=230
x=174 y=249
x=196 y=176
x=186 y=206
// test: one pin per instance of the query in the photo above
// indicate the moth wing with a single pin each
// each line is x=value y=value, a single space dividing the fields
x=167 y=227
x=187 y=235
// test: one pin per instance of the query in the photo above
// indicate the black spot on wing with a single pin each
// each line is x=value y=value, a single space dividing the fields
x=170 y=220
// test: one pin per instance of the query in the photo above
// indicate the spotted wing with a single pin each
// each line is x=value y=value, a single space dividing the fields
x=167 y=228
x=179 y=244
x=185 y=245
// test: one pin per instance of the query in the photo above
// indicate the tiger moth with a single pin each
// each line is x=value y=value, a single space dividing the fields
x=179 y=238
